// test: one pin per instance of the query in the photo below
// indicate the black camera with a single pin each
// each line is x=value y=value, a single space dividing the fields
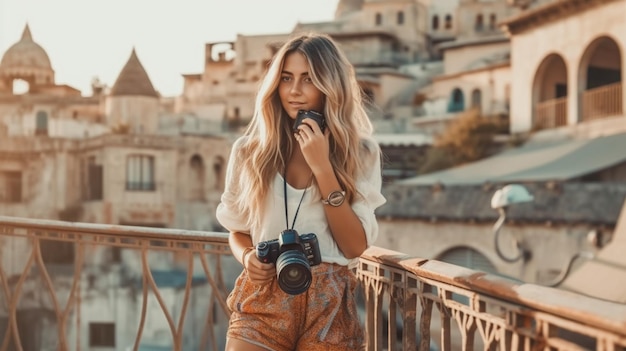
x=314 y=115
x=294 y=255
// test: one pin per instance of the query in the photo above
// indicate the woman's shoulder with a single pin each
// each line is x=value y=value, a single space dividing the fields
x=240 y=144
x=241 y=141
x=369 y=147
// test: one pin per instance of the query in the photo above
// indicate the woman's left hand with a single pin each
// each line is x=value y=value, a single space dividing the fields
x=314 y=145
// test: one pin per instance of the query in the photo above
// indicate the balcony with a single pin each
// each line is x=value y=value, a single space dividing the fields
x=80 y=286
x=596 y=103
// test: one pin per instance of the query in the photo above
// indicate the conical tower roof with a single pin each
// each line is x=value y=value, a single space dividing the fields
x=346 y=7
x=25 y=54
x=133 y=80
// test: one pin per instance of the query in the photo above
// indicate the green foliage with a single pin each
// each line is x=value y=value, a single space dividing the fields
x=468 y=138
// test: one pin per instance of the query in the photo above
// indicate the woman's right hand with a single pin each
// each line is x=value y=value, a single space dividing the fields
x=258 y=272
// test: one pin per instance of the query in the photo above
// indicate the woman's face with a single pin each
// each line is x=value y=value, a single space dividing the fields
x=296 y=89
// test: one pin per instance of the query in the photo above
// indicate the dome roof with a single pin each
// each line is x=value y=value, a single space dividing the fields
x=25 y=54
x=133 y=80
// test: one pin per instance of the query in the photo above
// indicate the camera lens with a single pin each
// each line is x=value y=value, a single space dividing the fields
x=294 y=273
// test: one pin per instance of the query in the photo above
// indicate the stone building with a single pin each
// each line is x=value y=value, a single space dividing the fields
x=564 y=95
x=104 y=158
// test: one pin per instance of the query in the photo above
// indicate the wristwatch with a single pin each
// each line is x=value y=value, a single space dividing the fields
x=335 y=198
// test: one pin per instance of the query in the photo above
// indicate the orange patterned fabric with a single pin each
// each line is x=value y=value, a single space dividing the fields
x=322 y=318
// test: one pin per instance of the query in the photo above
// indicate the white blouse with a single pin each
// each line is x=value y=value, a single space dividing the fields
x=311 y=217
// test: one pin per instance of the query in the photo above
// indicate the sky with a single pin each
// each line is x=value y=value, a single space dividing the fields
x=94 y=38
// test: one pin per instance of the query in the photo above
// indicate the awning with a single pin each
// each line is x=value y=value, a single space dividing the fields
x=399 y=139
x=535 y=162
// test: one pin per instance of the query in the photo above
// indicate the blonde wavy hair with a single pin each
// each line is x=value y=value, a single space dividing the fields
x=267 y=144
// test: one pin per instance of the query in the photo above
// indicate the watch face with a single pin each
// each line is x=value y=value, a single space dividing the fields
x=336 y=198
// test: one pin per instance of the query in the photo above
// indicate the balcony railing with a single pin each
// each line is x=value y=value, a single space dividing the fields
x=550 y=114
x=141 y=287
x=601 y=102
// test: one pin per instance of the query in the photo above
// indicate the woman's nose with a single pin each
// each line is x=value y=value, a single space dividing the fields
x=296 y=88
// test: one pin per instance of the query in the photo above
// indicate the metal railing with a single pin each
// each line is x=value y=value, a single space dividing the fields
x=169 y=287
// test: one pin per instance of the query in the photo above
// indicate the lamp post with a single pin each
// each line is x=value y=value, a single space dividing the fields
x=503 y=198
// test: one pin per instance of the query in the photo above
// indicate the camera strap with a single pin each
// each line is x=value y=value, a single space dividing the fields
x=299 y=203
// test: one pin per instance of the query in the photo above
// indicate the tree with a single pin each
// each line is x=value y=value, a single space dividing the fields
x=468 y=138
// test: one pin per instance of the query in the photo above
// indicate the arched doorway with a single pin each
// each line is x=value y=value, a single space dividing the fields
x=550 y=93
x=600 y=80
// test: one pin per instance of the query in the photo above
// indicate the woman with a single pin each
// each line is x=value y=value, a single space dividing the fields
x=326 y=182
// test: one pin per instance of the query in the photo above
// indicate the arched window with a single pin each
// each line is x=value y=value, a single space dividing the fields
x=477 y=99
x=457 y=101
x=448 y=24
x=196 y=178
x=379 y=19
x=41 y=123
x=479 y=23
x=492 y=21
x=400 y=17
x=435 y=23
x=218 y=171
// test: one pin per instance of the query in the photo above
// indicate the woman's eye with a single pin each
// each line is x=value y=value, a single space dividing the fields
x=308 y=80
x=285 y=78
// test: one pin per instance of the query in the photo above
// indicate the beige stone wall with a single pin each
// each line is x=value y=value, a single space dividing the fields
x=552 y=246
x=139 y=113
x=461 y=58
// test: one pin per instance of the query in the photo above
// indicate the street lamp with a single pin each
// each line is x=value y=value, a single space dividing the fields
x=503 y=198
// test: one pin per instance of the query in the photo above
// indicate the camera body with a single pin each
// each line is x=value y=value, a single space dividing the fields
x=269 y=251
x=294 y=255
x=314 y=115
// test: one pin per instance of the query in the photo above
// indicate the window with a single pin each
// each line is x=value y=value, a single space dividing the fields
x=92 y=180
x=477 y=98
x=10 y=186
x=379 y=19
x=102 y=334
x=140 y=173
x=479 y=25
x=492 y=21
x=41 y=123
x=196 y=178
x=218 y=169
x=448 y=23
x=435 y=23
x=400 y=17
x=457 y=101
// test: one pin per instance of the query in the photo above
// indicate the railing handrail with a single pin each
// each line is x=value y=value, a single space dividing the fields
x=116 y=230
x=603 y=88
x=552 y=102
x=599 y=313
